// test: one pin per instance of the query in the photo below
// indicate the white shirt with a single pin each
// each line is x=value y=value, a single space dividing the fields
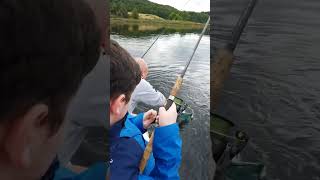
x=144 y=92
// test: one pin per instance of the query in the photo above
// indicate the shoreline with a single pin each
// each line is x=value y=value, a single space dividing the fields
x=165 y=23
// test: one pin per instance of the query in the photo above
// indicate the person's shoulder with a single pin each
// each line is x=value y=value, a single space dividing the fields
x=127 y=153
x=132 y=126
x=141 y=86
x=125 y=159
x=144 y=83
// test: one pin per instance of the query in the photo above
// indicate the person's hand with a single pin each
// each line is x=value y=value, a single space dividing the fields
x=148 y=118
x=168 y=117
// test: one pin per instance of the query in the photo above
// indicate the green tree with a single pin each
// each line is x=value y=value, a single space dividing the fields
x=120 y=10
x=135 y=14
x=121 y=7
x=175 y=16
x=172 y=16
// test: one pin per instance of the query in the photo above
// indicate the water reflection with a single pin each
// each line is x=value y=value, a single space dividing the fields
x=141 y=30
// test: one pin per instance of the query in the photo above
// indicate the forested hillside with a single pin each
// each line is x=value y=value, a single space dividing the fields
x=121 y=8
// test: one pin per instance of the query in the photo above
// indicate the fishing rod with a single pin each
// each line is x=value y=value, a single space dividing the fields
x=223 y=59
x=162 y=32
x=224 y=147
x=152 y=44
x=174 y=91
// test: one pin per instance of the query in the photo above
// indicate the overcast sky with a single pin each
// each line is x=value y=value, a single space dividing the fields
x=192 y=5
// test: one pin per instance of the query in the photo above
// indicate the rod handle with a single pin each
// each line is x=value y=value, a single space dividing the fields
x=148 y=150
x=168 y=104
x=146 y=154
x=221 y=66
x=176 y=88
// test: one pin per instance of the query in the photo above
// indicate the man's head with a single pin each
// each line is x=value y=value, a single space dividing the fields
x=46 y=49
x=143 y=67
x=125 y=75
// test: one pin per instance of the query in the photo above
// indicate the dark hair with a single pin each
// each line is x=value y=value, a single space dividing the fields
x=125 y=72
x=46 y=48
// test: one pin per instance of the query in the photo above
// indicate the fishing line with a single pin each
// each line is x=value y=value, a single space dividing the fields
x=172 y=99
x=186 y=4
x=153 y=43
x=162 y=32
x=196 y=47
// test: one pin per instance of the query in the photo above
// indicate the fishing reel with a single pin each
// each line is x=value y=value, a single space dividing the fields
x=185 y=114
x=227 y=140
x=184 y=111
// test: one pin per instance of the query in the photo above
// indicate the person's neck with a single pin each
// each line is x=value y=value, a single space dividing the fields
x=113 y=120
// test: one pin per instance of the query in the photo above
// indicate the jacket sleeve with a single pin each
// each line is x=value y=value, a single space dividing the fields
x=167 y=152
x=148 y=95
x=137 y=120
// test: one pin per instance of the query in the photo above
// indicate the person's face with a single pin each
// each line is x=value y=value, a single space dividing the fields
x=29 y=143
x=48 y=151
x=144 y=70
x=145 y=73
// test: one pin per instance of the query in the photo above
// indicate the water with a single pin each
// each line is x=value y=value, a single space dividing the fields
x=166 y=60
x=273 y=92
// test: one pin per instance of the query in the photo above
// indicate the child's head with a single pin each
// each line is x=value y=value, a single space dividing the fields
x=125 y=75
x=46 y=49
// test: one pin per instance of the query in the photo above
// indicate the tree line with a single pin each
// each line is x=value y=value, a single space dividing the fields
x=121 y=8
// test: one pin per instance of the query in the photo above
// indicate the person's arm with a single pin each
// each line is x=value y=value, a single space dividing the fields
x=167 y=152
x=167 y=146
x=143 y=120
x=137 y=120
x=148 y=95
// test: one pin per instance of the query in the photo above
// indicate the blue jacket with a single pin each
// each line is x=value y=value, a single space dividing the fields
x=127 y=147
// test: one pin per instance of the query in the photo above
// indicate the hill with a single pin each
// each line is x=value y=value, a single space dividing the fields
x=121 y=8
x=147 y=16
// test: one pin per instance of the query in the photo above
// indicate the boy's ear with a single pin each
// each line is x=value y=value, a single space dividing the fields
x=25 y=133
x=117 y=104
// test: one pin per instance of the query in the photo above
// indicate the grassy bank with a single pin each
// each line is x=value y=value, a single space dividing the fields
x=157 y=21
